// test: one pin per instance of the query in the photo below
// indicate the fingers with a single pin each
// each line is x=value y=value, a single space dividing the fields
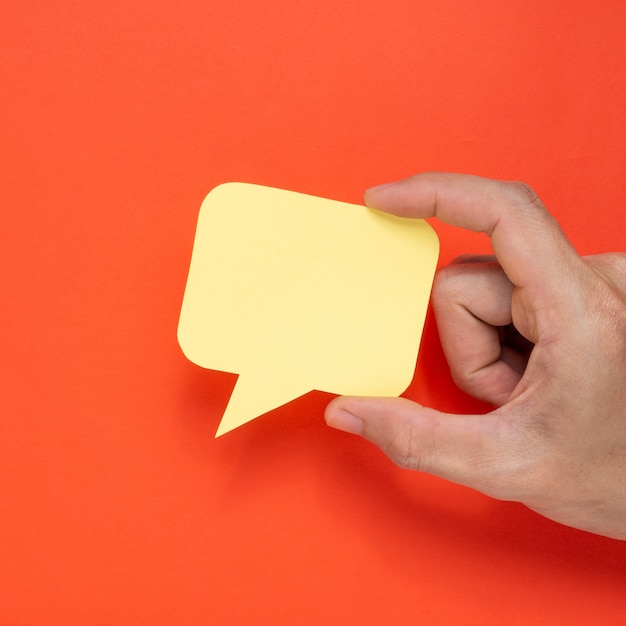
x=528 y=242
x=466 y=449
x=472 y=302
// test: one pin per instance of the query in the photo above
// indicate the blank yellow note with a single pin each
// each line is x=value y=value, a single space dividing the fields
x=294 y=293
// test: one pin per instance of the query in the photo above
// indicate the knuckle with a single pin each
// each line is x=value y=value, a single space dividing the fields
x=446 y=283
x=611 y=311
x=618 y=262
x=397 y=450
x=401 y=448
x=458 y=284
x=611 y=265
x=522 y=194
x=607 y=305
x=467 y=381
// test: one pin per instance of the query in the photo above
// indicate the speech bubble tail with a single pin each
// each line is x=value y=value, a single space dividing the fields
x=254 y=396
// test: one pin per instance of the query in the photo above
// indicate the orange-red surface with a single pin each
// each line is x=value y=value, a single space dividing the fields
x=117 y=506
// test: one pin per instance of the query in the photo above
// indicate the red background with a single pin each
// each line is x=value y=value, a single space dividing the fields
x=117 y=506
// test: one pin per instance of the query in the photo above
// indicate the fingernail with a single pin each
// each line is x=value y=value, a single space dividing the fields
x=380 y=187
x=342 y=420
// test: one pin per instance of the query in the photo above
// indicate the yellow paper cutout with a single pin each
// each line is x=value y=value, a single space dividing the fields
x=294 y=293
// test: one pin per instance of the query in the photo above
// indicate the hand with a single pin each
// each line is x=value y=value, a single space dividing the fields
x=537 y=331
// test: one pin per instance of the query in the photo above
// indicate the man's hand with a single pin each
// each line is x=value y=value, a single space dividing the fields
x=537 y=331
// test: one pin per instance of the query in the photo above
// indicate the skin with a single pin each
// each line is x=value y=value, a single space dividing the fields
x=537 y=331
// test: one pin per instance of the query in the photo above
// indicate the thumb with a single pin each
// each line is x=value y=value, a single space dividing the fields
x=467 y=449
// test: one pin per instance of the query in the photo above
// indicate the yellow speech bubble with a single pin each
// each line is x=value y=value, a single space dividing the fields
x=295 y=293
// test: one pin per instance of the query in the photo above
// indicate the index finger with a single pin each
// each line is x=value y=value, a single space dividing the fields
x=529 y=244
